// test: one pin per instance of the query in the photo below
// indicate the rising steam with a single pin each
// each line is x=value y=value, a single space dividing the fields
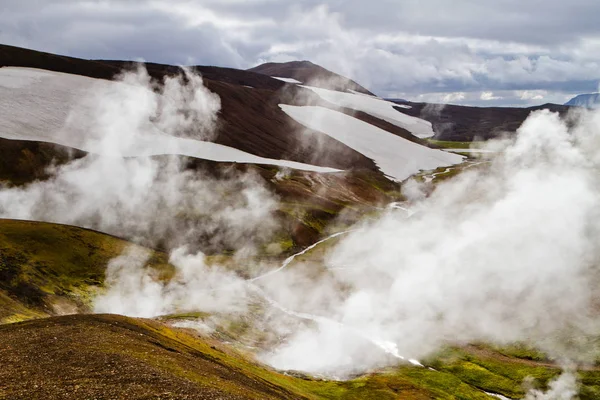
x=501 y=254
x=153 y=200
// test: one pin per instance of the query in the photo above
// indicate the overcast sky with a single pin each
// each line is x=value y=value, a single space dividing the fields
x=481 y=52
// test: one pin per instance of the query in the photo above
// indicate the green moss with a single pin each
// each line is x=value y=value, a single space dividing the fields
x=39 y=260
x=453 y=145
x=187 y=315
x=522 y=351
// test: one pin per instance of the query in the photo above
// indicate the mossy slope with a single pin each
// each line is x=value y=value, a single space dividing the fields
x=48 y=269
x=108 y=356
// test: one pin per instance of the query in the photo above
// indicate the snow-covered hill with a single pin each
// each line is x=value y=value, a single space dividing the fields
x=46 y=98
x=37 y=104
x=396 y=157
x=378 y=108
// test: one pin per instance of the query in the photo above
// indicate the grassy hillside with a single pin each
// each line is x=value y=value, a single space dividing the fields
x=310 y=202
x=108 y=356
x=47 y=269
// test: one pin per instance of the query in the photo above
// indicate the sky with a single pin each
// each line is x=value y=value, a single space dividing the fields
x=475 y=52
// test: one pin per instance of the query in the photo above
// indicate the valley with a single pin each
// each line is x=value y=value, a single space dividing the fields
x=283 y=233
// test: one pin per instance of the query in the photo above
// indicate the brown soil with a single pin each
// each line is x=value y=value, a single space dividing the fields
x=309 y=73
x=465 y=124
x=113 y=357
x=250 y=118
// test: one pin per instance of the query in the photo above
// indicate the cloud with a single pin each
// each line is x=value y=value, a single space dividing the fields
x=389 y=46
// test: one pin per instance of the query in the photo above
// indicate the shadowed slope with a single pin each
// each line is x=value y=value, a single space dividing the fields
x=250 y=119
x=465 y=124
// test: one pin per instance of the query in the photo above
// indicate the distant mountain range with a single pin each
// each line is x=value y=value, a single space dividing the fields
x=589 y=100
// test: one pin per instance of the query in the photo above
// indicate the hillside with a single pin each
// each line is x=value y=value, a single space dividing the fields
x=283 y=239
x=309 y=74
x=465 y=124
x=250 y=119
x=106 y=356
x=50 y=269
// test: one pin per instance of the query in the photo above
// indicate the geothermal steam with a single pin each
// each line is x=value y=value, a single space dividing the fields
x=503 y=253
x=153 y=200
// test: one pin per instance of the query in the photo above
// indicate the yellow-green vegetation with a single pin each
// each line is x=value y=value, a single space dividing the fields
x=444 y=144
x=445 y=173
x=44 y=266
x=117 y=355
x=504 y=370
x=49 y=268
x=181 y=364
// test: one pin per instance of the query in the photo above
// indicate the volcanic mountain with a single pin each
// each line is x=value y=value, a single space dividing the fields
x=200 y=211
x=309 y=74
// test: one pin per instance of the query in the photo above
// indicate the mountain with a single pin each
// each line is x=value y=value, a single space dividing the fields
x=264 y=127
x=49 y=270
x=250 y=118
x=590 y=100
x=309 y=74
x=465 y=124
x=210 y=205
x=110 y=356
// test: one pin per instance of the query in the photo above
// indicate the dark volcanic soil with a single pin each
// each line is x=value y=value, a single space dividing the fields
x=310 y=74
x=465 y=124
x=250 y=118
x=113 y=357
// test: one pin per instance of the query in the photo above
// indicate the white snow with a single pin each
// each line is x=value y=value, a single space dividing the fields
x=498 y=396
x=20 y=77
x=361 y=94
x=395 y=156
x=36 y=104
x=288 y=80
x=378 y=108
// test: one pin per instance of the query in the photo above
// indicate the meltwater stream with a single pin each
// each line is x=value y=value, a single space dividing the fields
x=387 y=346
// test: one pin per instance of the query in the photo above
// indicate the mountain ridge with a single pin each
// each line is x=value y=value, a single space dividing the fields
x=587 y=100
x=310 y=74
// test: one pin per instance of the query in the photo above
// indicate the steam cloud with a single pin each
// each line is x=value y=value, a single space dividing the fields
x=153 y=200
x=501 y=254
x=565 y=387
x=195 y=286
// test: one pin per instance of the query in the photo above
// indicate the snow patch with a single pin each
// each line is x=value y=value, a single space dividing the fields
x=20 y=77
x=395 y=156
x=378 y=108
x=37 y=104
x=288 y=80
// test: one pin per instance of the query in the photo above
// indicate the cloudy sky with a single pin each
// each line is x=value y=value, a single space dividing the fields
x=480 y=52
